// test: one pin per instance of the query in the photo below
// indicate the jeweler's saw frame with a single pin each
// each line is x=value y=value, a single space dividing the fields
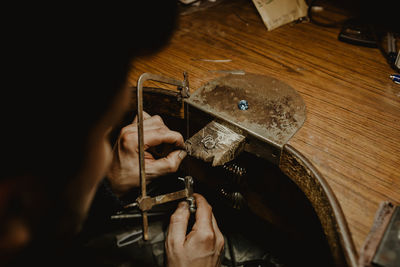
x=144 y=202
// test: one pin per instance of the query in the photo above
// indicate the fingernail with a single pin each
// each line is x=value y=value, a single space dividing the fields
x=183 y=205
x=182 y=154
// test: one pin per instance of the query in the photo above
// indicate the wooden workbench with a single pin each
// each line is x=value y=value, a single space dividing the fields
x=352 y=131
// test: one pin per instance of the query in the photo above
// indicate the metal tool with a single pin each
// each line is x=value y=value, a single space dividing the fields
x=144 y=202
x=147 y=203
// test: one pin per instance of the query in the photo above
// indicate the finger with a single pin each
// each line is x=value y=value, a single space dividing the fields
x=178 y=225
x=166 y=165
x=145 y=117
x=150 y=123
x=129 y=140
x=153 y=121
x=155 y=137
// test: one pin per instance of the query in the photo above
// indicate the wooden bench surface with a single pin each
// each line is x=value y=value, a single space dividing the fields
x=352 y=131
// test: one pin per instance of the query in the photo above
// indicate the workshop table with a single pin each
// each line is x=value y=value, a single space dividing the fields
x=352 y=131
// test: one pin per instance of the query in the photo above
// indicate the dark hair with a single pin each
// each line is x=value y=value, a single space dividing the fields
x=65 y=65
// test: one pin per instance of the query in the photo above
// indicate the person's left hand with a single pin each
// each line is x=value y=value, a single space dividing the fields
x=203 y=246
x=124 y=172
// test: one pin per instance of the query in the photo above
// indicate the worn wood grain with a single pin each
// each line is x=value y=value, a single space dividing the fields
x=352 y=131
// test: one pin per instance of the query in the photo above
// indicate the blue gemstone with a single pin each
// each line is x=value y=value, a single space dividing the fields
x=243 y=105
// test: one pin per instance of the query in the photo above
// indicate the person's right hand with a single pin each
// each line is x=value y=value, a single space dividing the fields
x=203 y=246
x=124 y=170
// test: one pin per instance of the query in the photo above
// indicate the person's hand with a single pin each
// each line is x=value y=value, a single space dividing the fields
x=203 y=246
x=124 y=171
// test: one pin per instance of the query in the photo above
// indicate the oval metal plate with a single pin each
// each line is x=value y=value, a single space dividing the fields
x=275 y=110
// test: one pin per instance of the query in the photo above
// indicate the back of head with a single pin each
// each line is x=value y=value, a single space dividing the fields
x=64 y=64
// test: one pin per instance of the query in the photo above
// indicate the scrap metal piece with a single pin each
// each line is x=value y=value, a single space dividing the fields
x=234 y=169
x=215 y=143
x=382 y=245
x=234 y=198
x=388 y=252
x=128 y=238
